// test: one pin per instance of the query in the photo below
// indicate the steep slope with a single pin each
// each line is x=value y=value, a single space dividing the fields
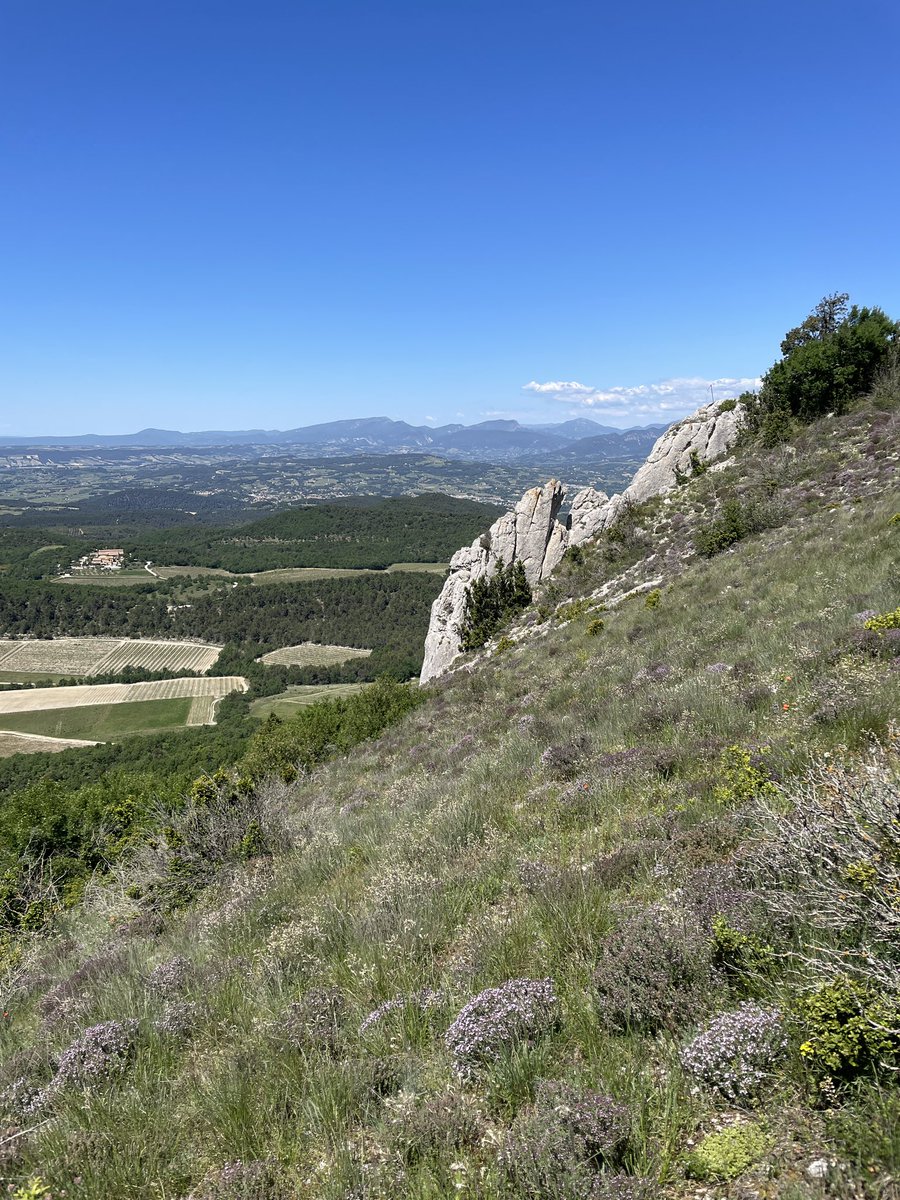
x=532 y=533
x=481 y=956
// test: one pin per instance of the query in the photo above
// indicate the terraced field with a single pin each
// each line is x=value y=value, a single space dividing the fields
x=312 y=654
x=97 y=655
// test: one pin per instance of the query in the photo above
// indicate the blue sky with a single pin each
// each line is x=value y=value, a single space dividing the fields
x=230 y=215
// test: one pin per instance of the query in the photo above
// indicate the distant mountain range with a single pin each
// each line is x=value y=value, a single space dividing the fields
x=496 y=441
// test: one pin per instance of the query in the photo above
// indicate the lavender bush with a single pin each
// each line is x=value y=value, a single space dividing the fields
x=559 y=1145
x=520 y=1010
x=100 y=1053
x=170 y=978
x=736 y=1052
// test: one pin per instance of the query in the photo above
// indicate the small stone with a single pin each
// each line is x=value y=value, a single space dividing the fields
x=818 y=1168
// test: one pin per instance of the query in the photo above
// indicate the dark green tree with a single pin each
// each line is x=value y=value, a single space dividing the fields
x=491 y=601
x=827 y=363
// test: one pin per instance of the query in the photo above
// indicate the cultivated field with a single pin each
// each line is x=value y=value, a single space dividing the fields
x=86 y=694
x=312 y=654
x=93 y=723
x=278 y=575
x=97 y=655
x=290 y=702
x=31 y=743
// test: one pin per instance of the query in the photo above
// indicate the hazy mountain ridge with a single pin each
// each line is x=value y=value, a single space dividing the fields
x=501 y=439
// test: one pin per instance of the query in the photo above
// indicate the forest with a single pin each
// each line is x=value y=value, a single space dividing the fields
x=362 y=532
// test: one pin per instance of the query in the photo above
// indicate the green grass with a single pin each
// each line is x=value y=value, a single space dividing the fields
x=102 y=722
x=30 y=677
x=288 y=702
x=507 y=828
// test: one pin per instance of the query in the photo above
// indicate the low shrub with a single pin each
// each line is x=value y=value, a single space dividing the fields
x=884 y=621
x=500 y=1018
x=655 y=973
x=238 y=1180
x=170 y=978
x=849 y=1028
x=737 y=1051
x=830 y=862
x=728 y=1153
x=428 y=1126
x=314 y=1022
x=739 y=956
x=738 y=518
x=558 y=1145
x=101 y=1053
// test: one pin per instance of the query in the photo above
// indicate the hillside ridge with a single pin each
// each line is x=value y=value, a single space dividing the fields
x=533 y=534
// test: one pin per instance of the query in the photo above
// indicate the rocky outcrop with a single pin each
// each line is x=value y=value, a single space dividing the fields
x=533 y=534
x=704 y=435
x=530 y=532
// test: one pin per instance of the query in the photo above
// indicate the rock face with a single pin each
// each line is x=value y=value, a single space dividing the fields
x=532 y=533
x=707 y=433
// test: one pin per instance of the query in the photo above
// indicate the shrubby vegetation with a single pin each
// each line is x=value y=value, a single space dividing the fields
x=491 y=601
x=827 y=362
x=561 y=931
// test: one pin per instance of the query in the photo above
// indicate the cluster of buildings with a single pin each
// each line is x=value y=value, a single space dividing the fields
x=107 y=560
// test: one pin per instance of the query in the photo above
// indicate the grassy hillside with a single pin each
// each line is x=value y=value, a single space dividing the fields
x=611 y=914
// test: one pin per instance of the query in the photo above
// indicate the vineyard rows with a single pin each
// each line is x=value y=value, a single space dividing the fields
x=95 y=655
x=38 y=699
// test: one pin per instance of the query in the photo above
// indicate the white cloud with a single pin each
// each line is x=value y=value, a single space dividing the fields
x=669 y=398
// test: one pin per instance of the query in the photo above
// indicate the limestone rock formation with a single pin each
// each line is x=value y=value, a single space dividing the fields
x=532 y=533
x=706 y=434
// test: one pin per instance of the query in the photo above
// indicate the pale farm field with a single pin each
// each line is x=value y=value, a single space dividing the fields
x=312 y=654
x=206 y=690
x=33 y=743
x=98 y=655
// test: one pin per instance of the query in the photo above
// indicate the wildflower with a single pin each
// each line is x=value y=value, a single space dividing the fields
x=520 y=1010
x=737 y=1050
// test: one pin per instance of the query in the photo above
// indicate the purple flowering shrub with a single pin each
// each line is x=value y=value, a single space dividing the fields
x=427 y=1126
x=23 y=1098
x=170 y=978
x=559 y=1145
x=178 y=1019
x=737 y=1051
x=520 y=1010
x=68 y=999
x=563 y=760
x=99 y=1054
x=654 y=973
